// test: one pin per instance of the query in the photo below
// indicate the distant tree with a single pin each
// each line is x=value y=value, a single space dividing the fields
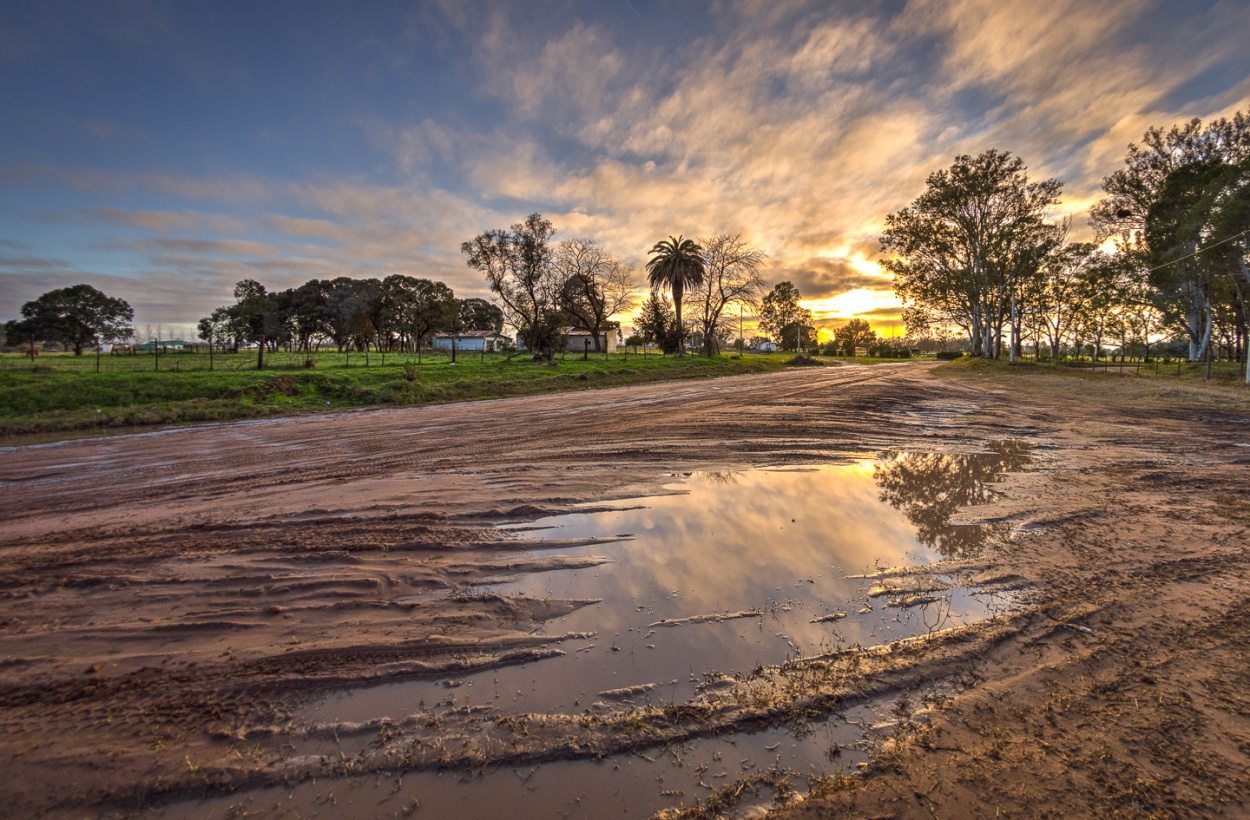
x=519 y=266
x=798 y=336
x=635 y=341
x=596 y=286
x=655 y=323
x=1054 y=295
x=479 y=314
x=731 y=275
x=780 y=309
x=425 y=309
x=676 y=263
x=855 y=334
x=76 y=317
x=18 y=332
x=305 y=313
x=256 y=315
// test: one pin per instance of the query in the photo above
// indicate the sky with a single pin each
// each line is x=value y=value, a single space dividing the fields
x=162 y=151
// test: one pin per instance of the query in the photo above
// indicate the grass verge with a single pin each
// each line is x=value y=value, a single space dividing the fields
x=1146 y=389
x=62 y=397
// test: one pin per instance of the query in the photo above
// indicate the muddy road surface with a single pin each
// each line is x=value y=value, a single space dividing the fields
x=189 y=617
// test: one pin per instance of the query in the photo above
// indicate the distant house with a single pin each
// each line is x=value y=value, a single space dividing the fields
x=581 y=339
x=487 y=340
x=163 y=346
x=767 y=347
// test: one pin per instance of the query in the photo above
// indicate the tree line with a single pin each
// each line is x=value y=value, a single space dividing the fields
x=396 y=314
x=978 y=250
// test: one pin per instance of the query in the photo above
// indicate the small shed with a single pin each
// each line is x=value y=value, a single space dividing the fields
x=580 y=339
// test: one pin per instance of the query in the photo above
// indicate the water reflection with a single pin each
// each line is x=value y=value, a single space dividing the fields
x=778 y=550
x=930 y=487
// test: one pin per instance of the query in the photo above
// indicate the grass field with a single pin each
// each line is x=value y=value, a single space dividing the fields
x=63 y=393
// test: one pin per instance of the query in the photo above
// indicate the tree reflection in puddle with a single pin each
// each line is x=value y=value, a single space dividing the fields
x=929 y=488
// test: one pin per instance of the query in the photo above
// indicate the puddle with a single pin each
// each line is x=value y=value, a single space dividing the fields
x=721 y=573
x=726 y=572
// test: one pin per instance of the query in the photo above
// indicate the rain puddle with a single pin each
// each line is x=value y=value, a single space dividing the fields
x=724 y=572
x=729 y=571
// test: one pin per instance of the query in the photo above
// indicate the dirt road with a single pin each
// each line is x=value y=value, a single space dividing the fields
x=170 y=599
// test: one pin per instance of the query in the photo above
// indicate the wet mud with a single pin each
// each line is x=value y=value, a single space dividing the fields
x=368 y=613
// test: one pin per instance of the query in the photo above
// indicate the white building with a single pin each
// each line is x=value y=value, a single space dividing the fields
x=487 y=340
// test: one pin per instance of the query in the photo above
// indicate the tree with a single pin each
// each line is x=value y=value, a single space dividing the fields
x=655 y=323
x=257 y=317
x=19 y=332
x=854 y=334
x=781 y=308
x=77 y=316
x=1175 y=193
x=479 y=314
x=518 y=264
x=424 y=310
x=304 y=313
x=730 y=276
x=1055 y=294
x=964 y=247
x=798 y=336
x=676 y=263
x=596 y=286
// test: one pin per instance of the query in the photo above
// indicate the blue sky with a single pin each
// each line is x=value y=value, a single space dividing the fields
x=163 y=151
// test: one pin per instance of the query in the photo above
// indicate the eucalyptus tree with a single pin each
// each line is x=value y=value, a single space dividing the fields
x=519 y=266
x=1181 y=193
x=479 y=314
x=305 y=308
x=731 y=275
x=676 y=263
x=855 y=333
x=964 y=248
x=1054 y=295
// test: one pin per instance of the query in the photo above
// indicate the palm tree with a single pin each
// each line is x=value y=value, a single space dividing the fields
x=676 y=263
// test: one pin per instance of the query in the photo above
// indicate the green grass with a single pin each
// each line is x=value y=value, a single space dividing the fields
x=64 y=394
x=1222 y=373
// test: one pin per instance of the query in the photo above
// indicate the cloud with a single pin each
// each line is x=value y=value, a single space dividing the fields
x=798 y=124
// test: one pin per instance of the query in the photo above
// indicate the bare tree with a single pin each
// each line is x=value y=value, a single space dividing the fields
x=596 y=285
x=731 y=275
